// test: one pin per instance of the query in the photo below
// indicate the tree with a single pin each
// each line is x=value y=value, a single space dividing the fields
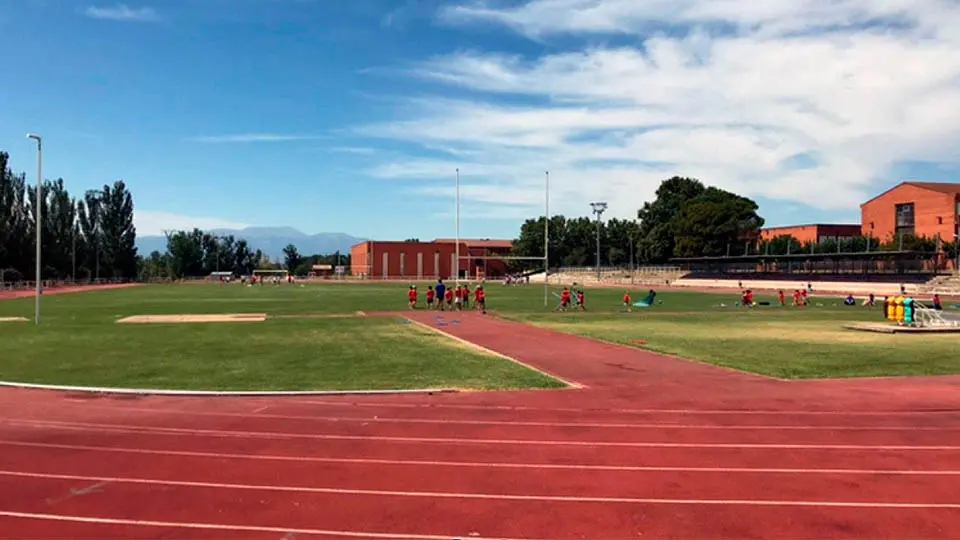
x=783 y=244
x=14 y=222
x=291 y=257
x=118 y=232
x=656 y=236
x=715 y=223
x=89 y=211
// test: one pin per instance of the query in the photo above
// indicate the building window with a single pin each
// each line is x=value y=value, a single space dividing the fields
x=905 y=219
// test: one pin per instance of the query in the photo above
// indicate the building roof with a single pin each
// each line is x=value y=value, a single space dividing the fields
x=478 y=242
x=857 y=225
x=942 y=187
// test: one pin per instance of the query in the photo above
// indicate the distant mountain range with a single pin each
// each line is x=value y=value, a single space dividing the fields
x=269 y=240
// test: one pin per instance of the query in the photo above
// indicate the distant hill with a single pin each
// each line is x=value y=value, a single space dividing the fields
x=270 y=240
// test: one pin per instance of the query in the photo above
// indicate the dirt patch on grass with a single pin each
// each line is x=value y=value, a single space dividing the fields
x=14 y=319
x=194 y=319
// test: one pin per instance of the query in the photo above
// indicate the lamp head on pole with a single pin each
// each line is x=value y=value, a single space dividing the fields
x=598 y=207
x=34 y=137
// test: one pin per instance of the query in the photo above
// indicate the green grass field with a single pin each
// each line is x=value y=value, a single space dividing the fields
x=79 y=342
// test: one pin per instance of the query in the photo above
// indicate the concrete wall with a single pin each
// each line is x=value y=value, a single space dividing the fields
x=934 y=212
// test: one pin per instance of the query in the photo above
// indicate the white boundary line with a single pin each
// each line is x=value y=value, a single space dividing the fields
x=480 y=464
x=217 y=393
x=389 y=420
x=759 y=412
x=475 y=346
x=223 y=527
x=476 y=496
x=80 y=426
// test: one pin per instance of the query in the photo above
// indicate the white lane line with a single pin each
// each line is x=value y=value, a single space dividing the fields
x=759 y=412
x=396 y=420
x=79 y=426
x=479 y=496
x=236 y=528
x=482 y=464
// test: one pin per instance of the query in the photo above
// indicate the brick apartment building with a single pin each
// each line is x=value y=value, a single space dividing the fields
x=814 y=233
x=920 y=208
x=429 y=260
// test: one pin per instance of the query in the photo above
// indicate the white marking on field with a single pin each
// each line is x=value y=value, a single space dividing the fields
x=759 y=412
x=226 y=527
x=14 y=319
x=482 y=464
x=492 y=352
x=480 y=496
x=82 y=426
x=521 y=423
x=219 y=393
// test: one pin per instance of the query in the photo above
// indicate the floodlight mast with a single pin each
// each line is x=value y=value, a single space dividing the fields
x=38 y=290
x=598 y=208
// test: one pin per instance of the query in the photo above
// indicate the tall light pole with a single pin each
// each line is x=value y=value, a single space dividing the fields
x=39 y=225
x=456 y=269
x=546 y=243
x=598 y=208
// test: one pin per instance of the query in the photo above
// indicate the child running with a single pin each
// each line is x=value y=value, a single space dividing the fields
x=480 y=299
x=564 y=299
x=466 y=297
x=626 y=302
x=781 y=299
x=412 y=297
x=449 y=299
x=458 y=297
x=581 y=301
x=430 y=297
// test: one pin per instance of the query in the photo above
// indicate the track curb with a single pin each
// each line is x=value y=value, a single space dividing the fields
x=218 y=393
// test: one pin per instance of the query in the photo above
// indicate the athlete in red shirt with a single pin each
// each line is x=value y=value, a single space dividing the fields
x=412 y=297
x=481 y=299
x=564 y=299
x=430 y=296
x=449 y=297
x=781 y=298
x=626 y=301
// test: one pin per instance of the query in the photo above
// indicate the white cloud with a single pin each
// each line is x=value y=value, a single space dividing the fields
x=253 y=138
x=154 y=223
x=860 y=84
x=122 y=12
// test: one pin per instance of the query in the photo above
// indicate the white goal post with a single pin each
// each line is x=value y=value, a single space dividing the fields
x=546 y=241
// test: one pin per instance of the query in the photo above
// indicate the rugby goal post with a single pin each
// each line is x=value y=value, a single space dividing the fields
x=546 y=241
x=283 y=274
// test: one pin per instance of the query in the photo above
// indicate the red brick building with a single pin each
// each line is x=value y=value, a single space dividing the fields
x=920 y=208
x=814 y=233
x=429 y=260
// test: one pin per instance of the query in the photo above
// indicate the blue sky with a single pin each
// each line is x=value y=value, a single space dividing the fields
x=337 y=116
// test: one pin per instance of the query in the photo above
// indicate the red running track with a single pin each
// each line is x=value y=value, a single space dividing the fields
x=50 y=291
x=652 y=447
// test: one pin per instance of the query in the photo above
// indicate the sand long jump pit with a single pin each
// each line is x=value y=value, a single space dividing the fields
x=194 y=319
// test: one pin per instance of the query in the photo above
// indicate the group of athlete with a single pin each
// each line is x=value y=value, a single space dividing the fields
x=456 y=298
x=567 y=298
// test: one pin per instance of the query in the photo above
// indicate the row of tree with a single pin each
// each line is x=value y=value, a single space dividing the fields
x=88 y=238
x=686 y=219
x=198 y=253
